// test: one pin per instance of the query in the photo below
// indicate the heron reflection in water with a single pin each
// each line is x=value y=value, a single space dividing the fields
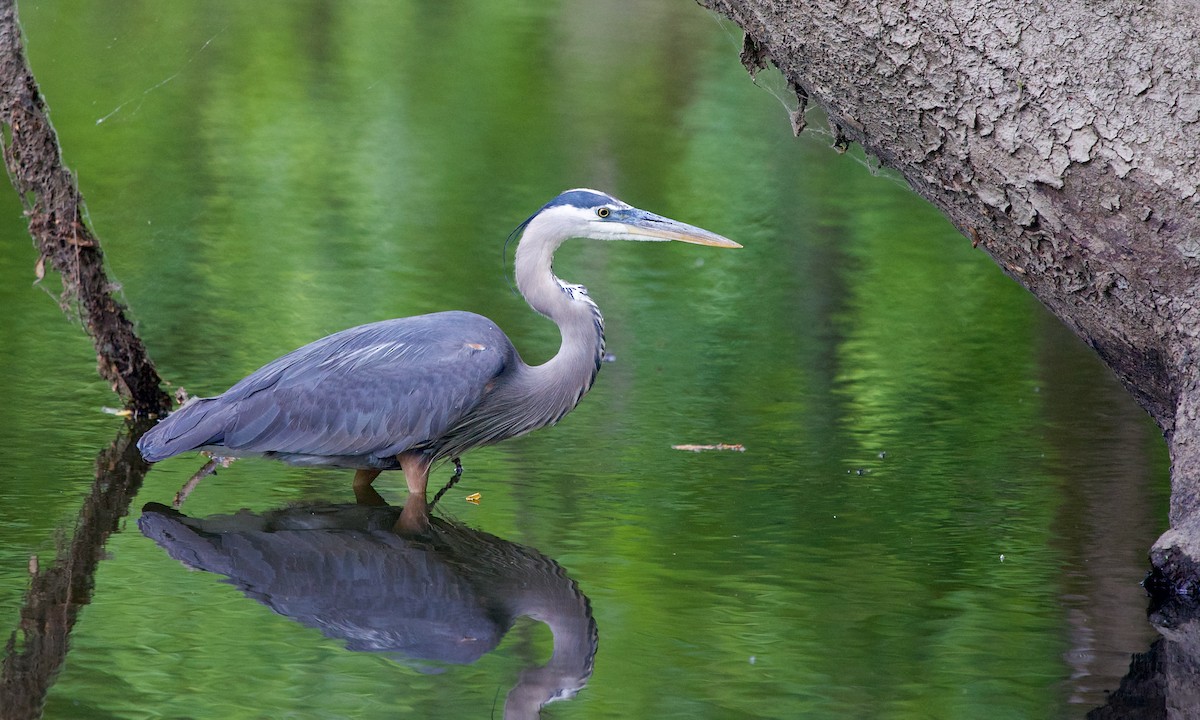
x=448 y=594
x=404 y=394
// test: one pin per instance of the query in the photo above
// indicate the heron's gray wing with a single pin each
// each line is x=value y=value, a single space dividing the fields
x=387 y=385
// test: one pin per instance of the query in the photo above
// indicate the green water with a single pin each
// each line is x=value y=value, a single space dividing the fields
x=944 y=502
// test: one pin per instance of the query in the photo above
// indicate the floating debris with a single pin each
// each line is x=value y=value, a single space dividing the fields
x=719 y=446
x=119 y=412
x=473 y=498
x=209 y=468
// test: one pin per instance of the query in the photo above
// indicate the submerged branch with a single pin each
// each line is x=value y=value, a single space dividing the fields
x=56 y=221
x=35 y=652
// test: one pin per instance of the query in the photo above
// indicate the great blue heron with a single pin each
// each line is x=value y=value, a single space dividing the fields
x=406 y=393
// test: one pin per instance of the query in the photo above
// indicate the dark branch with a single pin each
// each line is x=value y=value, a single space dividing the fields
x=56 y=221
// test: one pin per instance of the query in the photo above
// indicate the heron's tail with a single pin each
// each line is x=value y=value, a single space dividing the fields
x=197 y=423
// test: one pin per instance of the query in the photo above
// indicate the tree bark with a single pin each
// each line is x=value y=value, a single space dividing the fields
x=1064 y=140
x=56 y=221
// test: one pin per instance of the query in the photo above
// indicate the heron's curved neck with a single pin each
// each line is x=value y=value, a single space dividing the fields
x=560 y=605
x=578 y=319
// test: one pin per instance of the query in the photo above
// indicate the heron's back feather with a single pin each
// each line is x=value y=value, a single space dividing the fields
x=354 y=398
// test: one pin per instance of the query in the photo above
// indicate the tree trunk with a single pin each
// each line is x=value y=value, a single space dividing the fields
x=1064 y=140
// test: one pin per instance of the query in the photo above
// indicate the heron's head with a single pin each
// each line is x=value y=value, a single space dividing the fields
x=584 y=213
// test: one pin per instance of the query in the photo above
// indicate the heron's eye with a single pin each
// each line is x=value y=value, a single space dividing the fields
x=603 y=212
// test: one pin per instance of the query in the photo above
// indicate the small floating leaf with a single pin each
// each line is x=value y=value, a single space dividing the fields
x=473 y=498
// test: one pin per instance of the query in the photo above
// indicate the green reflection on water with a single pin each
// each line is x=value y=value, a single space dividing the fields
x=263 y=176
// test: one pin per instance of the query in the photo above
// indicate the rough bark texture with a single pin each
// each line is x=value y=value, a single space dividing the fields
x=56 y=221
x=1064 y=140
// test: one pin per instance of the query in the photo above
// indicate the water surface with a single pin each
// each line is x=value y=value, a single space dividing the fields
x=944 y=502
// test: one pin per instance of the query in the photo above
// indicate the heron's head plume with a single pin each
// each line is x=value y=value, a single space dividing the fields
x=585 y=213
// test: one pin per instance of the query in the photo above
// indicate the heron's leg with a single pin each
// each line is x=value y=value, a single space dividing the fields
x=364 y=492
x=364 y=478
x=457 y=468
x=416 y=471
x=414 y=518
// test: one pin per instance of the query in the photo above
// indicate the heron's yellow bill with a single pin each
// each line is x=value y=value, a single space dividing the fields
x=648 y=226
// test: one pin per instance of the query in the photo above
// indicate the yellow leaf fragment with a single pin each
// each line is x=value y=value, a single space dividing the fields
x=474 y=498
